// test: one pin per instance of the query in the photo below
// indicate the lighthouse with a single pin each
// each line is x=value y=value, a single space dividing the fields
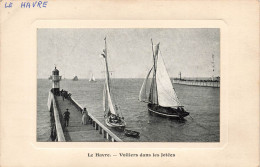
x=56 y=81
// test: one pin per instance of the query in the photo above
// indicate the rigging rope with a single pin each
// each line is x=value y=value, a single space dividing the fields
x=193 y=120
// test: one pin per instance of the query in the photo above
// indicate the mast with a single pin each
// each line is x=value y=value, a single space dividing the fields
x=153 y=89
x=105 y=52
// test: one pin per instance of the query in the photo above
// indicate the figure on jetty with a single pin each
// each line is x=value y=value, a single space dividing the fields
x=66 y=116
x=85 y=117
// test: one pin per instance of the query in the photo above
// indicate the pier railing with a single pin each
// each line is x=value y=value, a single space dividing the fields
x=98 y=125
x=52 y=105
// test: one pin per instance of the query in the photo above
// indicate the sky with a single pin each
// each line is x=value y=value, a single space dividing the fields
x=78 y=51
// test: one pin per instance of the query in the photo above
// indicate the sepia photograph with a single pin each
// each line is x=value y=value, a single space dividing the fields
x=128 y=85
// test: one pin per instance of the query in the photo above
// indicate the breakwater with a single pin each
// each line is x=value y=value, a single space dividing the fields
x=205 y=83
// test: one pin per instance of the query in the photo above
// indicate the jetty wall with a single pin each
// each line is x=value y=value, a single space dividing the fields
x=204 y=83
x=56 y=128
x=98 y=125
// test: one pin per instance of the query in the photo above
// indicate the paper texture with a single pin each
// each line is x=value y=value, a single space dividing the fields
x=239 y=71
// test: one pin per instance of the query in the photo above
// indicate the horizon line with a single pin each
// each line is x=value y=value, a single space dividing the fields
x=132 y=78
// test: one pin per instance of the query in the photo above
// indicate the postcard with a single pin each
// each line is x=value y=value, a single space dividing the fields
x=110 y=83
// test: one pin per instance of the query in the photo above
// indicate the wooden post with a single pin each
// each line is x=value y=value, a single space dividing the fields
x=100 y=130
x=107 y=136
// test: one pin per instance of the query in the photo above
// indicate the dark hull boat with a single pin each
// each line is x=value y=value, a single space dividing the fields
x=167 y=111
x=131 y=133
x=158 y=92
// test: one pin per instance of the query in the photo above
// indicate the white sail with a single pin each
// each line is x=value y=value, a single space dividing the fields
x=166 y=94
x=92 y=78
x=105 y=104
x=143 y=92
x=110 y=104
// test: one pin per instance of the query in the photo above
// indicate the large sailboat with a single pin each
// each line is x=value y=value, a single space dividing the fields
x=113 y=115
x=92 y=78
x=158 y=91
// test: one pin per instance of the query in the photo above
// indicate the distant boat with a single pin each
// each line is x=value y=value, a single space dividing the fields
x=50 y=77
x=112 y=112
x=75 y=78
x=162 y=99
x=92 y=78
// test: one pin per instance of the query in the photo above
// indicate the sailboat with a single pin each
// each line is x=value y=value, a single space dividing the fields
x=75 y=78
x=112 y=113
x=92 y=78
x=159 y=92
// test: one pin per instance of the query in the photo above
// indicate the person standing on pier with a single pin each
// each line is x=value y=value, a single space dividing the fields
x=66 y=116
x=85 y=117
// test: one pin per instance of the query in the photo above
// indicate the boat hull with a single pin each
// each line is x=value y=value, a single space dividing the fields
x=166 y=111
x=119 y=126
x=131 y=133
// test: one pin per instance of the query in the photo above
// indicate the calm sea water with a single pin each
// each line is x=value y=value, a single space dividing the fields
x=201 y=102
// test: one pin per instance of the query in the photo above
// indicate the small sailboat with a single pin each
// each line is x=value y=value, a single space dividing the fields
x=92 y=78
x=112 y=113
x=75 y=78
x=159 y=93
